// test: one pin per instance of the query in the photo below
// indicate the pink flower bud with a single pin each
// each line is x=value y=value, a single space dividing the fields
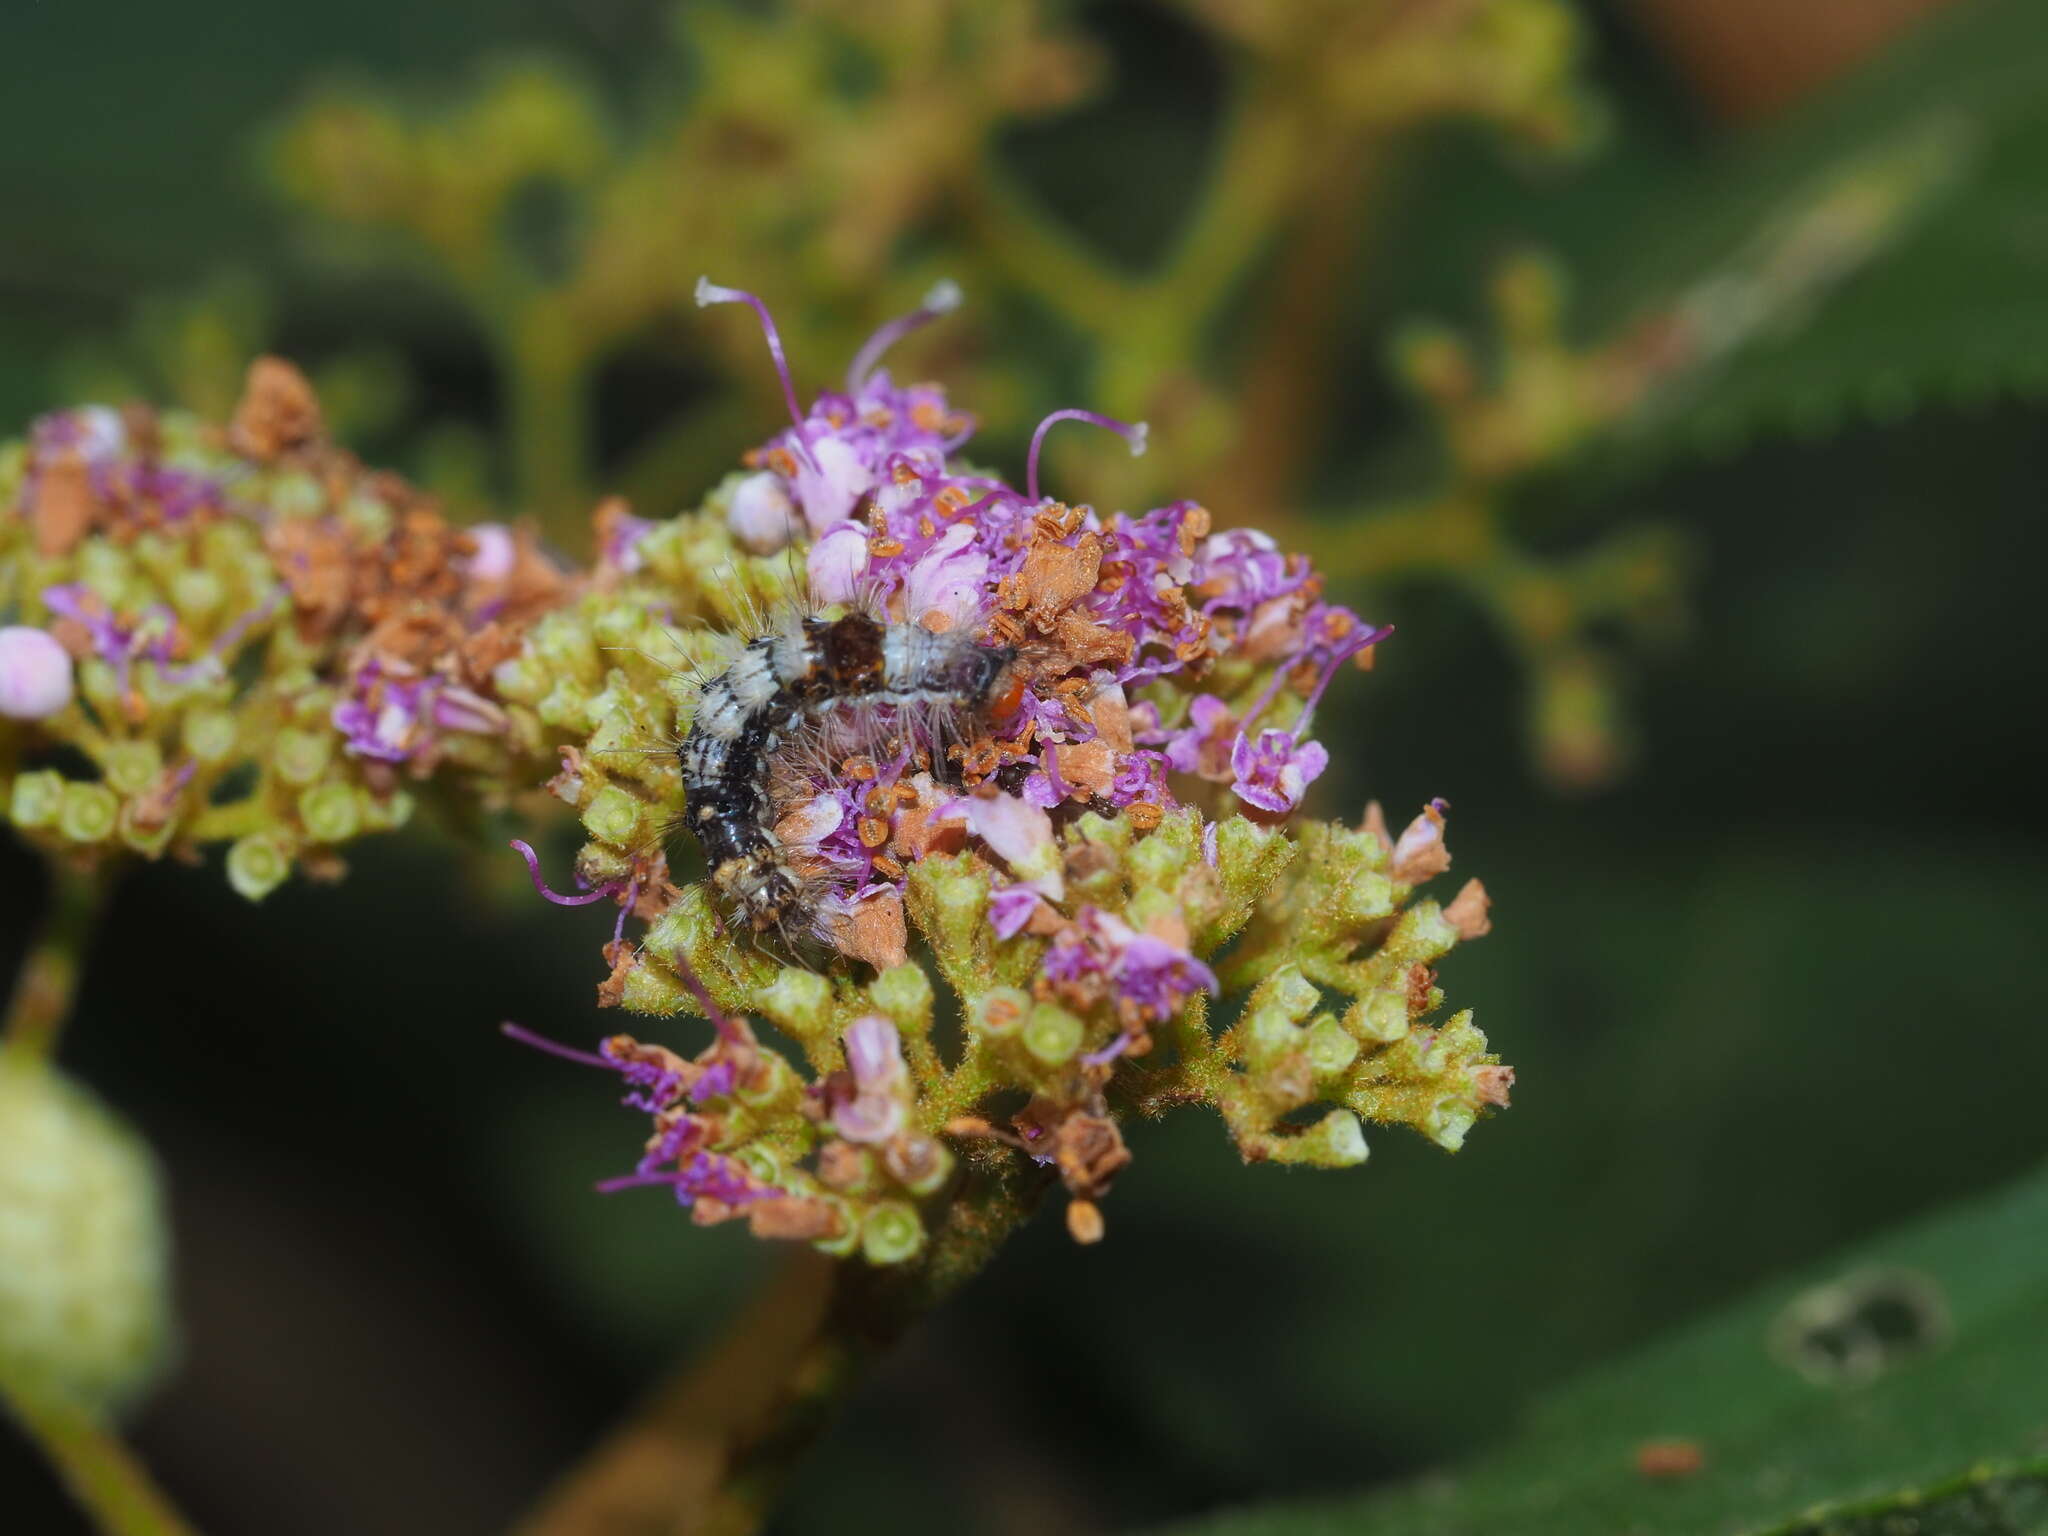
x=830 y=490
x=496 y=553
x=761 y=515
x=837 y=562
x=35 y=674
x=947 y=579
x=874 y=1051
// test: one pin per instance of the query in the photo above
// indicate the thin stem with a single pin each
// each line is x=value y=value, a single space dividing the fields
x=545 y=365
x=104 y=1476
x=710 y=1451
x=47 y=985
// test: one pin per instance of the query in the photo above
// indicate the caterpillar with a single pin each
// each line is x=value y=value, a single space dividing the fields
x=784 y=694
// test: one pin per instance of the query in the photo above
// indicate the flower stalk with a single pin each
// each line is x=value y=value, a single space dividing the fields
x=710 y=1450
x=102 y=1473
x=46 y=987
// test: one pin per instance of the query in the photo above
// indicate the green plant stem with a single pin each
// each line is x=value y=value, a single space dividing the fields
x=545 y=364
x=710 y=1450
x=47 y=984
x=103 y=1474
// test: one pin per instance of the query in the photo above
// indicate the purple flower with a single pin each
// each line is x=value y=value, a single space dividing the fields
x=619 y=536
x=396 y=717
x=1158 y=977
x=880 y=1104
x=1187 y=747
x=1010 y=908
x=1242 y=568
x=1274 y=774
x=1152 y=975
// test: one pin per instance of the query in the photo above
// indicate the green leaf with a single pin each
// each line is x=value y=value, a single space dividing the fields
x=1908 y=1379
x=1945 y=305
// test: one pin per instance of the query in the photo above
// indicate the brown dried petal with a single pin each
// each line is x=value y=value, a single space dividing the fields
x=62 y=514
x=278 y=411
x=1056 y=576
x=1468 y=911
x=873 y=931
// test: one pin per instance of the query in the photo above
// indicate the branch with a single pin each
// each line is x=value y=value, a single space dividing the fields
x=47 y=985
x=103 y=1474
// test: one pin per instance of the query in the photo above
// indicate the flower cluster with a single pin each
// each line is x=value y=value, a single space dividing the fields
x=250 y=637
x=1108 y=872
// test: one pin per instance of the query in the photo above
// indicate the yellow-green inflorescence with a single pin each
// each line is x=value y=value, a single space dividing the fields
x=238 y=635
x=84 y=1246
x=1019 y=938
x=1089 y=894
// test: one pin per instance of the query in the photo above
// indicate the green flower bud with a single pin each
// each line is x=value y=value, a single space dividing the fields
x=209 y=734
x=257 y=865
x=1381 y=1015
x=1289 y=993
x=1156 y=861
x=522 y=680
x=777 y=1083
x=1367 y=898
x=196 y=592
x=1335 y=1141
x=891 y=1233
x=904 y=993
x=89 y=814
x=921 y=1164
x=1052 y=1035
x=618 y=627
x=566 y=705
x=84 y=1273
x=565 y=649
x=149 y=841
x=999 y=1010
x=99 y=685
x=652 y=991
x=387 y=813
x=1448 y=1122
x=1331 y=1049
x=131 y=766
x=1152 y=902
x=760 y=1160
x=37 y=798
x=849 y=1237
x=798 y=1002
x=330 y=813
x=1268 y=1033
x=300 y=757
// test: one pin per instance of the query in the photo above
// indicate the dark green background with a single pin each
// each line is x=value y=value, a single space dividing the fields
x=1781 y=987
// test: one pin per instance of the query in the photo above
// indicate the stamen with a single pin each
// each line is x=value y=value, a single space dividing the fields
x=942 y=299
x=1133 y=433
x=625 y=907
x=639 y=1181
x=1343 y=653
x=720 y=1020
x=525 y=851
x=709 y=293
x=553 y=1048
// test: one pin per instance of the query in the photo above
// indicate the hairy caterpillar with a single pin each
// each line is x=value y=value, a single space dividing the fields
x=787 y=693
